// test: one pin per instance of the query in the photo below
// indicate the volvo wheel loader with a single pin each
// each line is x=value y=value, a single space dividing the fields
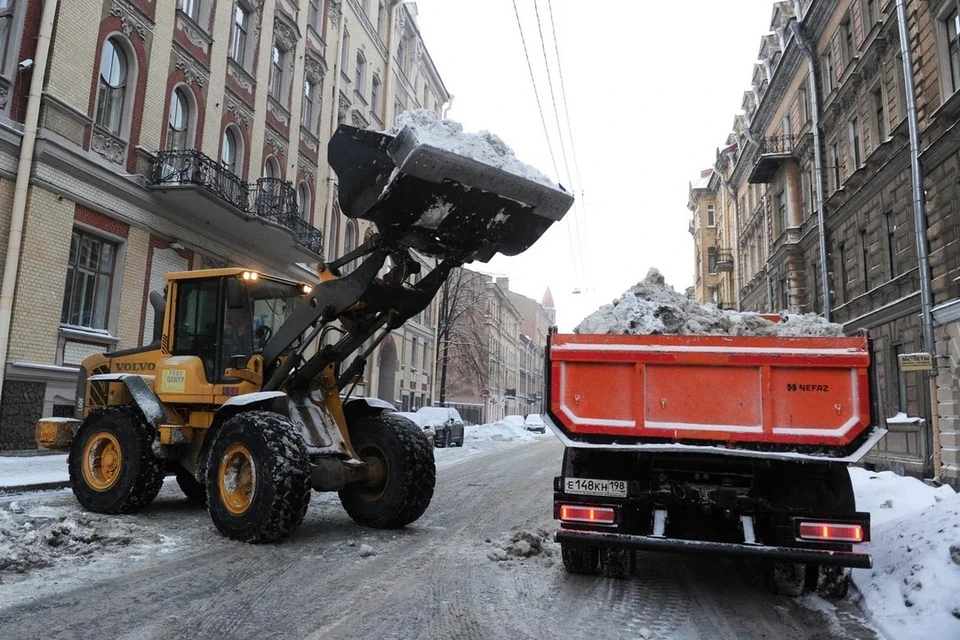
x=240 y=393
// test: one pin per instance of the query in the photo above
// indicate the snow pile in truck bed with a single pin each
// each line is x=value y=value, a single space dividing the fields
x=913 y=590
x=654 y=307
x=484 y=147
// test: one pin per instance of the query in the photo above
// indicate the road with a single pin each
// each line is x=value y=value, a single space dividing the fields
x=434 y=579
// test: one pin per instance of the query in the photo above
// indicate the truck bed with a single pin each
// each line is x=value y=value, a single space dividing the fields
x=804 y=394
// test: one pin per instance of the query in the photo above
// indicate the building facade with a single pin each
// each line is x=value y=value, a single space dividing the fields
x=178 y=135
x=837 y=233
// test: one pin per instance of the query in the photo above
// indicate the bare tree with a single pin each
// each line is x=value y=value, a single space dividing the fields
x=462 y=332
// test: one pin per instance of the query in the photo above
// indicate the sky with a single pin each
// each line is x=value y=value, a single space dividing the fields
x=651 y=90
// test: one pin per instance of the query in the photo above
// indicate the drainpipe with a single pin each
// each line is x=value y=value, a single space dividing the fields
x=808 y=53
x=24 y=169
x=931 y=444
x=919 y=217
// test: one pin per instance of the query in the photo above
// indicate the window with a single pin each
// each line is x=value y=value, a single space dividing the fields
x=846 y=40
x=344 y=52
x=271 y=168
x=179 y=122
x=334 y=232
x=835 y=165
x=784 y=294
x=196 y=321
x=952 y=24
x=313 y=15
x=892 y=245
x=359 y=73
x=856 y=153
x=277 y=58
x=382 y=20
x=191 y=8
x=375 y=97
x=402 y=53
x=828 y=74
x=90 y=271
x=238 y=39
x=816 y=287
x=900 y=382
x=306 y=115
x=842 y=286
x=780 y=204
x=303 y=201
x=870 y=11
x=712 y=259
x=349 y=243
x=711 y=215
x=901 y=87
x=112 y=87
x=879 y=113
x=230 y=150
x=6 y=30
x=865 y=256
x=803 y=105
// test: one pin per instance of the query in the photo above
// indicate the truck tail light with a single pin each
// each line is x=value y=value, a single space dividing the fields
x=831 y=532
x=580 y=513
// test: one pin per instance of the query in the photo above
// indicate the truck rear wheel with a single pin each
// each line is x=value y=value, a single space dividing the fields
x=112 y=467
x=617 y=563
x=833 y=582
x=258 y=477
x=401 y=472
x=579 y=559
x=787 y=578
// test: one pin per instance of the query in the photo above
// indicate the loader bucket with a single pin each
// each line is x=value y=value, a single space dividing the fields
x=437 y=202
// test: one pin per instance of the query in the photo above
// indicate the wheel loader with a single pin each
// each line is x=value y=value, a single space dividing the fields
x=241 y=392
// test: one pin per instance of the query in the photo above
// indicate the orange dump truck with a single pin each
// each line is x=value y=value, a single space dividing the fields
x=713 y=444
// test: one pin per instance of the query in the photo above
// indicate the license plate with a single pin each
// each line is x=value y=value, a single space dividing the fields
x=589 y=487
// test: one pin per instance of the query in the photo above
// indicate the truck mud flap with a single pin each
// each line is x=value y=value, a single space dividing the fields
x=675 y=545
x=437 y=202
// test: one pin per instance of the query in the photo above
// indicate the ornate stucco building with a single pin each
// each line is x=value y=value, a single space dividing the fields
x=175 y=135
x=816 y=177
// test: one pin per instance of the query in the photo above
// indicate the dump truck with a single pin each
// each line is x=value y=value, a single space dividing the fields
x=243 y=393
x=708 y=444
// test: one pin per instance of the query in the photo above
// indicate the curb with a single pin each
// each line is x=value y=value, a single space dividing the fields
x=40 y=486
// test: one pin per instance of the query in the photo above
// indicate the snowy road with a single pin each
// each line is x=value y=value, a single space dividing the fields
x=440 y=578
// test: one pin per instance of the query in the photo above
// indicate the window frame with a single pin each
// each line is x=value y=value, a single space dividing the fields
x=360 y=72
x=186 y=132
x=276 y=83
x=949 y=50
x=70 y=291
x=376 y=96
x=307 y=104
x=240 y=44
x=117 y=95
x=233 y=132
x=856 y=142
x=10 y=39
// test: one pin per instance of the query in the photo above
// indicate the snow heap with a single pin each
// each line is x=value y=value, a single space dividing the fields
x=913 y=590
x=483 y=147
x=654 y=307
x=521 y=544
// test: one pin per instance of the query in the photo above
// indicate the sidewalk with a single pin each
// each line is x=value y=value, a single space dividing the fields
x=33 y=472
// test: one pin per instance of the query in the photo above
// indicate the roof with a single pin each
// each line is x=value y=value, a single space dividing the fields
x=548 y=299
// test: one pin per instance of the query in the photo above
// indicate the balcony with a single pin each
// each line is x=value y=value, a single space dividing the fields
x=773 y=152
x=724 y=261
x=263 y=215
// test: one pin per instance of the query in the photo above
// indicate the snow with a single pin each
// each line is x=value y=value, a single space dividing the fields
x=913 y=590
x=18 y=471
x=902 y=418
x=448 y=135
x=654 y=307
x=484 y=439
x=433 y=217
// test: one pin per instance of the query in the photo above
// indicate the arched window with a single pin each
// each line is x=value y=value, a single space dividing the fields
x=375 y=98
x=231 y=154
x=178 y=125
x=334 y=235
x=306 y=118
x=112 y=90
x=303 y=201
x=271 y=168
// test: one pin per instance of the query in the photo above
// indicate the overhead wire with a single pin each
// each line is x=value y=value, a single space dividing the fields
x=543 y=120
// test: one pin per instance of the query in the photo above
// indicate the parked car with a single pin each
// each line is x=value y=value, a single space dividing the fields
x=417 y=420
x=446 y=424
x=534 y=422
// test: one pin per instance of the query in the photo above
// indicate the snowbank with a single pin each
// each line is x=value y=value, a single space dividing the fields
x=654 y=307
x=18 y=471
x=485 y=438
x=913 y=590
x=483 y=147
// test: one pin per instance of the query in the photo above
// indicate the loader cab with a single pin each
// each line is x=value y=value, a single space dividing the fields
x=224 y=316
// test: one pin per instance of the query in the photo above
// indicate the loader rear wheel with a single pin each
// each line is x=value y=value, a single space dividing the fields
x=258 y=477
x=401 y=472
x=579 y=559
x=112 y=467
x=190 y=486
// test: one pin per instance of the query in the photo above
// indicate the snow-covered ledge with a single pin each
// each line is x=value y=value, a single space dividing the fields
x=902 y=418
x=947 y=312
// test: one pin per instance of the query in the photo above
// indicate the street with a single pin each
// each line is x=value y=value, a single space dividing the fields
x=442 y=577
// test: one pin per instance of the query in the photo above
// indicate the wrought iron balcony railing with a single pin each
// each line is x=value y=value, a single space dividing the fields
x=772 y=153
x=268 y=198
x=778 y=144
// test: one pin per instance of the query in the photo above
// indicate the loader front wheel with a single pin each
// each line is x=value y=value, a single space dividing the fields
x=258 y=477
x=112 y=467
x=400 y=472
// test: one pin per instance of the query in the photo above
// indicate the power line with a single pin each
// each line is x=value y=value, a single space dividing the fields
x=556 y=114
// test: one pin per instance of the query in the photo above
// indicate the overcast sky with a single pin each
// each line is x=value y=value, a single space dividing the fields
x=652 y=89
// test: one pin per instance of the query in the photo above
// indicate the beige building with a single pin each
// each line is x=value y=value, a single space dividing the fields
x=175 y=135
x=818 y=173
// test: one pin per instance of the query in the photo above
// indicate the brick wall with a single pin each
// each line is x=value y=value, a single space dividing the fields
x=43 y=272
x=157 y=73
x=131 y=288
x=73 y=55
x=6 y=204
x=20 y=408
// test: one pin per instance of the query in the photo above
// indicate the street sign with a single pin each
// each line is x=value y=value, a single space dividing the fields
x=915 y=361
